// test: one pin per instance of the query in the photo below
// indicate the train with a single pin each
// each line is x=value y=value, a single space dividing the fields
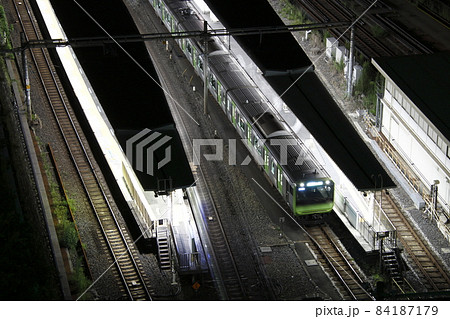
x=290 y=168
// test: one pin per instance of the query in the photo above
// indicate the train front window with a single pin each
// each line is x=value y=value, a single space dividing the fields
x=314 y=192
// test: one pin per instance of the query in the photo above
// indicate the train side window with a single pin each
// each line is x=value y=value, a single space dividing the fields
x=280 y=177
x=242 y=123
x=200 y=63
x=272 y=166
x=228 y=107
x=189 y=47
x=212 y=82
x=259 y=148
x=266 y=158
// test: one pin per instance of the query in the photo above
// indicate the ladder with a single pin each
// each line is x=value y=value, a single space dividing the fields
x=163 y=241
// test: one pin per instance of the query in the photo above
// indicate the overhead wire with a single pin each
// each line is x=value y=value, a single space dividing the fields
x=135 y=61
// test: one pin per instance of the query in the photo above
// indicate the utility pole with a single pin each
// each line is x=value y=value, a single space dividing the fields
x=205 y=69
x=27 y=78
x=350 y=62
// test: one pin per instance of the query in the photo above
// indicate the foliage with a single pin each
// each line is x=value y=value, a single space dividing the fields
x=366 y=86
x=78 y=280
x=339 y=66
x=66 y=230
x=378 y=32
x=293 y=13
x=326 y=35
x=5 y=30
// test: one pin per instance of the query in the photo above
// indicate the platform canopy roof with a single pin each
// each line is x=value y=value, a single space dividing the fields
x=425 y=80
x=170 y=169
x=308 y=98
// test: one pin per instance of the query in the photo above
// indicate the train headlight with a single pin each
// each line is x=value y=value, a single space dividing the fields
x=313 y=184
x=327 y=182
x=302 y=184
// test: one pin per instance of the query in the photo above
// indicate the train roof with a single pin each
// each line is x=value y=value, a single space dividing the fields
x=252 y=104
x=298 y=165
x=308 y=99
x=269 y=125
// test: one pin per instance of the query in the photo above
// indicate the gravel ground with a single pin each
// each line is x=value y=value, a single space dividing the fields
x=336 y=84
x=245 y=219
x=283 y=267
x=105 y=287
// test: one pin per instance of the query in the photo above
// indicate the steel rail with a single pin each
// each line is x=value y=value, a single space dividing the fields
x=339 y=269
x=405 y=231
x=133 y=280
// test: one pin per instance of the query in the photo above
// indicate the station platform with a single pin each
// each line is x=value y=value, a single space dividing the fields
x=146 y=208
x=177 y=209
x=354 y=209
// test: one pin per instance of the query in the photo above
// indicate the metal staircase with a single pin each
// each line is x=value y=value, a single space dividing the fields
x=163 y=241
x=392 y=266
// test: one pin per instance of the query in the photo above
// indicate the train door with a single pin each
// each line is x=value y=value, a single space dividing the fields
x=213 y=83
x=173 y=25
x=163 y=11
x=266 y=159
x=241 y=124
x=220 y=98
x=280 y=179
x=200 y=66
x=290 y=194
x=258 y=145
x=249 y=134
x=233 y=114
x=194 y=57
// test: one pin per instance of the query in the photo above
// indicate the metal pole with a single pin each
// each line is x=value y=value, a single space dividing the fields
x=205 y=70
x=381 y=254
x=381 y=191
x=374 y=205
x=350 y=62
x=27 y=79
x=27 y=85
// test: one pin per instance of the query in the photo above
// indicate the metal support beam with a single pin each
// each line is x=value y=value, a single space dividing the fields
x=99 y=41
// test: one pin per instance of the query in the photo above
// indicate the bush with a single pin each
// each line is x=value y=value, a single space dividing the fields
x=293 y=13
x=78 y=280
x=67 y=234
x=367 y=87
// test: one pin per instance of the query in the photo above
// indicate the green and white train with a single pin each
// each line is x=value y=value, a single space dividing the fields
x=289 y=167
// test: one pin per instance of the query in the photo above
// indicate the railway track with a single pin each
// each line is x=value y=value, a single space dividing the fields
x=233 y=273
x=228 y=278
x=338 y=263
x=398 y=42
x=124 y=255
x=430 y=270
x=323 y=11
x=225 y=260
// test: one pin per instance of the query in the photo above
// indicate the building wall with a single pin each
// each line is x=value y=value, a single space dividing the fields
x=416 y=139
